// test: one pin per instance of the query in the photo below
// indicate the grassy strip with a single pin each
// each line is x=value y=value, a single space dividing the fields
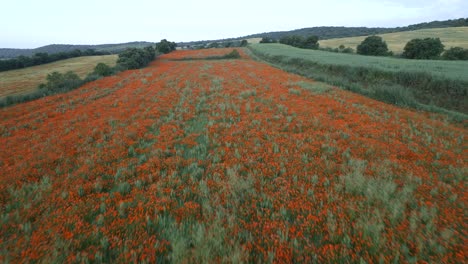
x=229 y=56
x=420 y=91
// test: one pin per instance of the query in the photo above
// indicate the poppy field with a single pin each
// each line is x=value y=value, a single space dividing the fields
x=215 y=161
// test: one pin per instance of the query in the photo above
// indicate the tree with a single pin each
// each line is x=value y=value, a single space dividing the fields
x=456 y=53
x=293 y=40
x=214 y=45
x=165 y=46
x=61 y=82
x=102 y=69
x=244 y=43
x=374 y=46
x=311 y=43
x=428 y=48
x=267 y=40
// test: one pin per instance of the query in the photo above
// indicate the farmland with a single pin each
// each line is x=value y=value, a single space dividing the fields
x=438 y=86
x=450 y=37
x=195 y=161
x=22 y=81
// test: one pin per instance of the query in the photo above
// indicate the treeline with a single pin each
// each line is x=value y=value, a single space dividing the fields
x=43 y=58
x=219 y=44
x=131 y=58
x=310 y=42
x=344 y=32
x=57 y=48
x=421 y=49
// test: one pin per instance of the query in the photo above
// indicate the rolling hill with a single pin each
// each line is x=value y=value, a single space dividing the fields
x=21 y=81
x=56 y=48
x=450 y=37
x=339 y=32
x=321 y=32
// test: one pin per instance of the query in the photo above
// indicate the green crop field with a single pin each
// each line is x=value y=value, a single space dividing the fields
x=22 y=81
x=446 y=69
x=430 y=85
x=450 y=37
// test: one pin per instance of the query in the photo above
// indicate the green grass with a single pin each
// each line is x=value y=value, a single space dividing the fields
x=447 y=69
x=24 y=81
x=437 y=86
x=450 y=37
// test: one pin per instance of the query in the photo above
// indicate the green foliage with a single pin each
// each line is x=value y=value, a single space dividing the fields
x=61 y=82
x=428 y=48
x=232 y=55
x=374 y=46
x=102 y=69
x=310 y=42
x=244 y=43
x=165 y=46
x=43 y=58
x=344 y=32
x=133 y=58
x=455 y=53
x=267 y=40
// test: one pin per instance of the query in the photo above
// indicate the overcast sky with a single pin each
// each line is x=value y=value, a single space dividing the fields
x=34 y=23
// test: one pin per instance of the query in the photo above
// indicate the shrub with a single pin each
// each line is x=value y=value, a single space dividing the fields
x=232 y=55
x=102 y=69
x=374 y=46
x=428 y=48
x=455 y=53
x=61 y=82
x=165 y=46
x=133 y=58
x=310 y=42
x=267 y=40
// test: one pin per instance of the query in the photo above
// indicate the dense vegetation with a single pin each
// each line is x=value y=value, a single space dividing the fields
x=456 y=53
x=342 y=32
x=134 y=58
x=131 y=58
x=374 y=46
x=57 y=48
x=43 y=58
x=428 y=48
x=165 y=46
x=335 y=32
x=439 y=86
x=310 y=42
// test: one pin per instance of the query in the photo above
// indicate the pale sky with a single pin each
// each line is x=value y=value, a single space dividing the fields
x=35 y=23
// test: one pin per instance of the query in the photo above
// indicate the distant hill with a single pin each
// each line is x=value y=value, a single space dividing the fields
x=450 y=37
x=322 y=32
x=56 y=48
x=341 y=32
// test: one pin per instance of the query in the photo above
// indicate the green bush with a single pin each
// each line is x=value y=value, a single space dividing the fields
x=165 y=46
x=428 y=48
x=310 y=42
x=267 y=40
x=103 y=69
x=133 y=58
x=374 y=46
x=58 y=82
x=455 y=53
